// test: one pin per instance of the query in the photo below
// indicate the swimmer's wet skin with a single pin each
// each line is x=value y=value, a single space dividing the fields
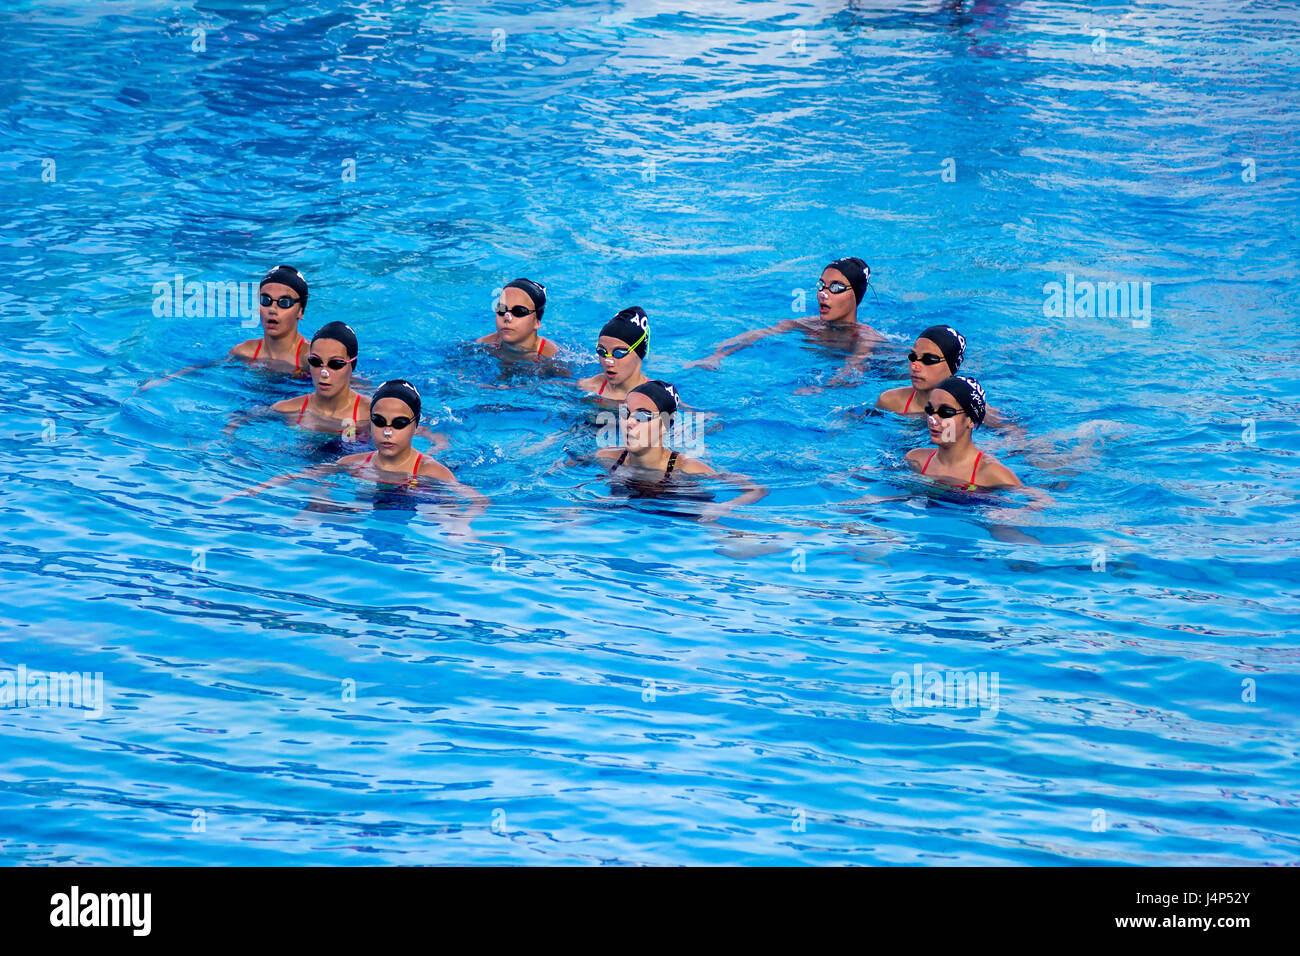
x=519 y=313
x=282 y=300
x=937 y=353
x=840 y=290
x=957 y=407
x=646 y=465
x=621 y=347
x=282 y=297
x=333 y=406
x=394 y=416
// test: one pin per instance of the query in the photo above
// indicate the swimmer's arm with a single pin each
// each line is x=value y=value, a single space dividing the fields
x=151 y=383
x=477 y=501
x=750 y=491
x=995 y=419
x=240 y=419
x=316 y=471
x=867 y=341
x=743 y=340
x=439 y=440
x=888 y=400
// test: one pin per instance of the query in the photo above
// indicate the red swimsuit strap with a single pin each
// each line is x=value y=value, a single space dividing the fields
x=257 y=351
x=976 y=468
x=301 y=411
x=601 y=391
x=909 y=401
x=415 y=470
x=368 y=457
x=355 y=406
x=298 y=351
x=928 y=460
x=541 y=344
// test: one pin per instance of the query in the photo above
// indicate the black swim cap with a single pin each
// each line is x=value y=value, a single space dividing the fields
x=662 y=394
x=341 y=333
x=398 y=388
x=856 y=271
x=632 y=326
x=534 y=290
x=951 y=343
x=969 y=394
x=288 y=275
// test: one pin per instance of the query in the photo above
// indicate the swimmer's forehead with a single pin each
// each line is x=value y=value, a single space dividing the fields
x=640 y=402
x=924 y=345
x=277 y=289
x=517 y=296
x=610 y=342
x=940 y=397
x=329 y=348
x=830 y=275
x=391 y=407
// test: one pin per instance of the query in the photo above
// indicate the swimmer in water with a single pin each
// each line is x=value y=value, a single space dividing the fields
x=839 y=293
x=956 y=407
x=394 y=415
x=620 y=347
x=334 y=406
x=937 y=353
x=282 y=297
x=519 y=314
x=645 y=465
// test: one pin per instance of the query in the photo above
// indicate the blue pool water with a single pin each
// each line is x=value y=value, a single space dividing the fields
x=594 y=680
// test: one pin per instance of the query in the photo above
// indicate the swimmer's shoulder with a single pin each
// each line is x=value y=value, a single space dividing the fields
x=609 y=454
x=993 y=474
x=893 y=399
x=289 y=405
x=591 y=383
x=692 y=466
x=245 y=350
x=352 y=462
x=431 y=468
x=549 y=349
x=492 y=338
x=917 y=456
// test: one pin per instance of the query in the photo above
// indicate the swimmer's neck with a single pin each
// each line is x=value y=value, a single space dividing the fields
x=635 y=381
x=651 y=458
x=342 y=402
x=849 y=321
x=395 y=460
x=283 y=346
x=527 y=347
x=959 y=453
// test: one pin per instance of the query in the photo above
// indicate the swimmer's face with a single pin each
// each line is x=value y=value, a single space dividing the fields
x=643 y=434
x=926 y=377
x=515 y=329
x=836 y=306
x=388 y=439
x=618 y=369
x=329 y=381
x=947 y=431
x=275 y=320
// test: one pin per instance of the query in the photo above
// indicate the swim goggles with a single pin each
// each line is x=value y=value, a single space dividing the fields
x=397 y=424
x=518 y=311
x=837 y=287
x=928 y=359
x=943 y=411
x=284 y=301
x=619 y=352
